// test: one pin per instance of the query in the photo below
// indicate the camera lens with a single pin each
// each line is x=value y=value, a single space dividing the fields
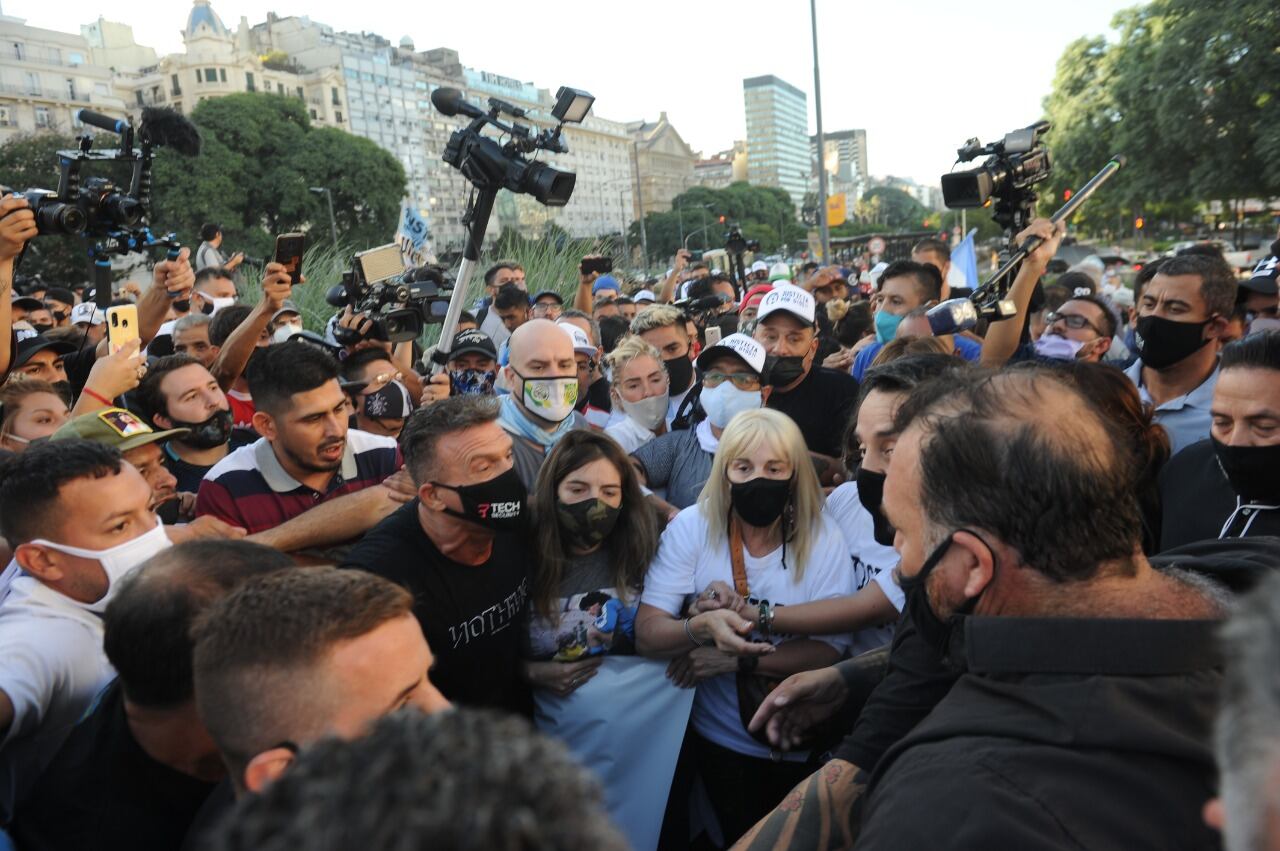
x=122 y=209
x=58 y=218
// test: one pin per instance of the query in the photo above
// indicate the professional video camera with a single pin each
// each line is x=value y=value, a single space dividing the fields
x=737 y=245
x=1013 y=166
x=398 y=301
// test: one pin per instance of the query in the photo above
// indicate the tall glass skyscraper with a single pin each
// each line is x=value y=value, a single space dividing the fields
x=777 y=135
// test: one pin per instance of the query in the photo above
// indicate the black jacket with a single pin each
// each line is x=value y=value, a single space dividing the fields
x=1199 y=504
x=1062 y=733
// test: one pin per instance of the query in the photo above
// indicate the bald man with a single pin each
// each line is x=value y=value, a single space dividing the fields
x=542 y=376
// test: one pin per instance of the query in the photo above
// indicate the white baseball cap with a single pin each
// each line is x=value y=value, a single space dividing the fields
x=581 y=342
x=644 y=295
x=759 y=266
x=779 y=272
x=876 y=271
x=747 y=350
x=788 y=298
x=88 y=312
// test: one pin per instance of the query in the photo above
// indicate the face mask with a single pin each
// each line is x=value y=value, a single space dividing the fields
x=1058 y=348
x=119 y=561
x=497 y=504
x=284 y=332
x=42 y=327
x=586 y=524
x=723 y=402
x=1162 y=342
x=886 y=325
x=552 y=399
x=1253 y=471
x=59 y=315
x=213 y=305
x=473 y=382
x=871 y=495
x=34 y=441
x=760 y=502
x=785 y=371
x=391 y=401
x=214 y=431
x=680 y=370
x=182 y=305
x=649 y=412
x=933 y=629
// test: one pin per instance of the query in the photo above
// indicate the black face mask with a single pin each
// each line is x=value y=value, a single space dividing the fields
x=680 y=370
x=1162 y=342
x=871 y=495
x=215 y=431
x=760 y=501
x=1253 y=471
x=497 y=504
x=586 y=524
x=182 y=305
x=42 y=327
x=786 y=370
x=934 y=630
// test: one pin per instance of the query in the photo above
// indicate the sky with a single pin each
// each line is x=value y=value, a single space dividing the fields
x=920 y=76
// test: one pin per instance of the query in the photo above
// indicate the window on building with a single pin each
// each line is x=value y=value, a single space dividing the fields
x=175 y=88
x=75 y=58
x=248 y=82
x=301 y=96
x=222 y=74
x=198 y=75
x=71 y=89
x=138 y=96
x=33 y=83
x=337 y=115
x=5 y=119
x=313 y=115
x=43 y=117
x=279 y=88
x=333 y=92
x=101 y=89
x=211 y=75
x=19 y=50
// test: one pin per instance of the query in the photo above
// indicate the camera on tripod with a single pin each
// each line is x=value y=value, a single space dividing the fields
x=736 y=243
x=399 y=302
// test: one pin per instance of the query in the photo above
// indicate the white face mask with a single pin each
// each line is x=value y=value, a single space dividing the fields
x=649 y=412
x=284 y=332
x=1058 y=348
x=552 y=399
x=219 y=303
x=722 y=402
x=118 y=561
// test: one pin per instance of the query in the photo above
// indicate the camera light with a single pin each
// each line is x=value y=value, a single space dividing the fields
x=572 y=105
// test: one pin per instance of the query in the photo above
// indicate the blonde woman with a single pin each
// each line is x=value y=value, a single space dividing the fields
x=762 y=500
x=641 y=390
x=30 y=409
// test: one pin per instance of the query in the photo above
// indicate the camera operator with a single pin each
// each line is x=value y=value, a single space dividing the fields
x=820 y=400
x=377 y=393
x=1229 y=485
x=210 y=251
x=400 y=354
x=17 y=225
x=680 y=271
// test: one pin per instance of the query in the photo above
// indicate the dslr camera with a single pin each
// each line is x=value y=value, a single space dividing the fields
x=399 y=302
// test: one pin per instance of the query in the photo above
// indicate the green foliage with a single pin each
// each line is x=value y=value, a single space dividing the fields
x=893 y=209
x=764 y=213
x=1188 y=93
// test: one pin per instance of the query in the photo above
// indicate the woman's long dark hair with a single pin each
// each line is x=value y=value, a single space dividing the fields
x=632 y=543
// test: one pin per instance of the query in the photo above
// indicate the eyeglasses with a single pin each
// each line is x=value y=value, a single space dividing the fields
x=741 y=380
x=1074 y=321
x=546 y=309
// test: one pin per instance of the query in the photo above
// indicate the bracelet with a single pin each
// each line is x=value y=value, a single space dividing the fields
x=689 y=632
x=88 y=391
x=765 y=618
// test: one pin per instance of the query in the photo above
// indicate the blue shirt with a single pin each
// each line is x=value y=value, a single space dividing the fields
x=966 y=348
x=1186 y=418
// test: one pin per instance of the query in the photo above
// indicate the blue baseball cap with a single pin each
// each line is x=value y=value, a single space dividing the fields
x=606 y=282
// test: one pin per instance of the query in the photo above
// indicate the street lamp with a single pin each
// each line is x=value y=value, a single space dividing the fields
x=333 y=223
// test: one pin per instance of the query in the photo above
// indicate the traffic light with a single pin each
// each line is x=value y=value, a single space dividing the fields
x=722 y=220
x=1066 y=195
x=1138 y=223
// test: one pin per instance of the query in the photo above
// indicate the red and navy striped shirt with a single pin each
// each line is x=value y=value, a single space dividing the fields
x=249 y=488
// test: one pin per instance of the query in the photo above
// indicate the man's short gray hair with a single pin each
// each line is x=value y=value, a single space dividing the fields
x=191 y=320
x=424 y=428
x=1247 y=734
x=578 y=314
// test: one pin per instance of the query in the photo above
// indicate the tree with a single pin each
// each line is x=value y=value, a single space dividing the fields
x=895 y=209
x=763 y=213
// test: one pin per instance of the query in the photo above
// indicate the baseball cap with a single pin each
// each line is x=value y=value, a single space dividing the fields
x=26 y=302
x=873 y=277
x=1263 y=279
x=606 y=282
x=287 y=307
x=559 y=298
x=87 y=312
x=581 y=342
x=114 y=427
x=472 y=341
x=1123 y=296
x=644 y=296
x=61 y=294
x=758 y=289
x=779 y=272
x=759 y=266
x=789 y=299
x=743 y=347
x=30 y=342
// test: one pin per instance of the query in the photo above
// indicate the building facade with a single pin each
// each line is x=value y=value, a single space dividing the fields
x=722 y=169
x=777 y=135
x=46 y=77
x=845 y=160
x=664 y=164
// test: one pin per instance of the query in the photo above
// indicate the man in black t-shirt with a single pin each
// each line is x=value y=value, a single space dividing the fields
x=137 y=769
x=461 y=549
x=819 y=400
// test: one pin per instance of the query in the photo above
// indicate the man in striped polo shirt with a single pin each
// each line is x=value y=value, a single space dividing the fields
x=307 y=461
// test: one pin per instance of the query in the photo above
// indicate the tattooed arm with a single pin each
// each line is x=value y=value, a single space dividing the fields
x=822 y=813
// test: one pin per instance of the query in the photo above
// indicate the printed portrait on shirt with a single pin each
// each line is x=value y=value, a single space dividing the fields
x=590 y=624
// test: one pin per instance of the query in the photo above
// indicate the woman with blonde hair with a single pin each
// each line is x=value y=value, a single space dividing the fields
x=30 y=409
x=758 y=526
x=641 y=390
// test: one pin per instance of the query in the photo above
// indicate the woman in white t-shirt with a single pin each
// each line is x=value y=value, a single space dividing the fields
x=640 y=389
x=763 y=500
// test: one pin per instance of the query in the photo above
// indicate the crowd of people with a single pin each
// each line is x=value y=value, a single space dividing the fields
x=687 y=562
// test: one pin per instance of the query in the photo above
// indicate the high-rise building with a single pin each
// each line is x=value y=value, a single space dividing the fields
x=845 y=160
x=46 y=77
x=722 y=169
x=777 y=135
x=664 y=163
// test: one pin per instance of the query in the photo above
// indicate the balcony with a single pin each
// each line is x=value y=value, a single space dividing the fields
x=40 y=55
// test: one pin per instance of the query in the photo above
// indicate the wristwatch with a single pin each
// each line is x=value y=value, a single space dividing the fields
x=748 y=664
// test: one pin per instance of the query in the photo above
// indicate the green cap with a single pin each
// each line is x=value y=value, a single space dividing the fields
x=114 y=427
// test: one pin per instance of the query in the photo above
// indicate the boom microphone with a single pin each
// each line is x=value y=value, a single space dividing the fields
x=170 y=128
x=952 y=316
x=102 y=122
x=449 y=101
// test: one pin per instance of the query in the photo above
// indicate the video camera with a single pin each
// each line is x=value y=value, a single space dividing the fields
x=1014 y=164
x=95 y=207
x=736 y=243
x=399 y=301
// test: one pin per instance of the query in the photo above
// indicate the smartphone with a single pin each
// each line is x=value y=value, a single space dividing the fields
x=600 y=265
x=122 y=326
x=712 y=335
x=289 y=247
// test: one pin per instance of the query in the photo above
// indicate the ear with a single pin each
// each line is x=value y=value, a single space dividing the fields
x=429 y=495
x=264 y=424
x=1103 y=345
x=39 y=562
x=1217 y=327
x=266 y=767
x=1215 y=814
x=977 y=562
x=161 y=422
